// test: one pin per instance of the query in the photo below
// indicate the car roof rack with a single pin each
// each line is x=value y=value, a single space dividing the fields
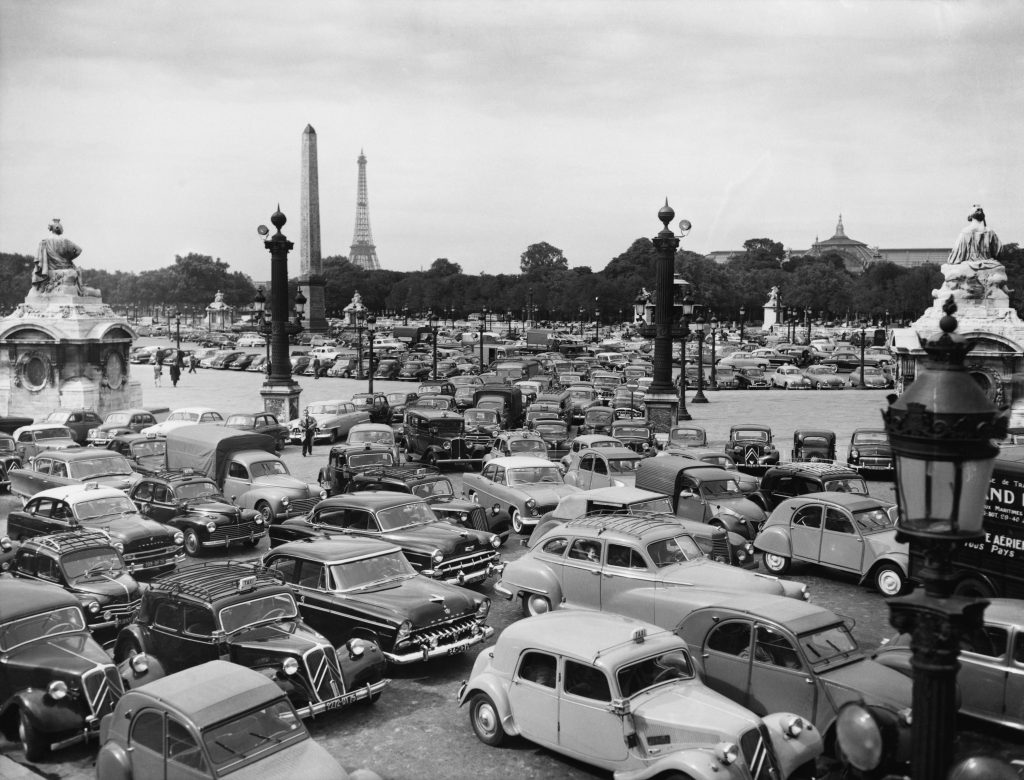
x=821 y=467
x=400 y=472
x=636 y=525
x=170 y=474
x=213 y=580
x=70 y=541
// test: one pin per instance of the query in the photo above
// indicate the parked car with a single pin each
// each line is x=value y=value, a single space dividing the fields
x=991 y=674
x=357 y=588
x=875 y=377
x=120 y=422
x=435 y=548
x=684 y=436
x=397 y=403
x=78 y=421
x=618 y=694
x=389 y=368
x=527 y=486
x=374 y=404
x=631 y=565
x=585 y=442
x=73 y=466
x=148 y=547
x=773 y=356
x=260 y=422
x=600 y=467
x=246 y=614
x=30 y=440
x=765 y=653
x=194 y=505
x=870 y=450
x=377 y=434
x=597 y=419
x=86 y=564
x=189 y=415
x=787 y=480
x=814 y=445
x=842 y=531
x=555 y=433
x=439 y=436
x=333 y=418
x=848 y=361
x=789 y=377
x=145 y=454
x=635 y=433
x=8 y=453
x=583 y=396
x=436 y=387
x=750 y=445
x=521 y=442
x=824 y=377
x=749 y=378
x=748 y=482
x=56 y=682
x=347 y=460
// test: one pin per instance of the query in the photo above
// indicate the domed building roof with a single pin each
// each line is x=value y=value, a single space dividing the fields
x=856 y=254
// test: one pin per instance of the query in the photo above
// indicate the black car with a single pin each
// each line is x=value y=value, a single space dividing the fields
x=79 y=421
x=397 y=403
x=118 y=422
x=750 y=445
x=350 y=588
x=8 y=453
x=347 y=460
x=787 y=480
x=376 y=404
x=414 y=371
x=814 y=445
x=751 y=379
x=146 y=452
x=555 y=434
x=437 y=490
x=86 y=564
x=870 y=450
x=260 y=422
x=194 y=505
x=246 y=614
x=439 y=436
x=435 y=548
x=56 y=682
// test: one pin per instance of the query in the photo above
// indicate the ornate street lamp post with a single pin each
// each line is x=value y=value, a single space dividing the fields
x=863 y=336
x=370 y=330
x=177 y=332
x=714 y=355
x=597 y=323
x=432 y=323
x=942 y=431
x=699 y=326
x=360 y=327
x=807 y=319
x=405 y=315
x=743 y=319
x=687 y=307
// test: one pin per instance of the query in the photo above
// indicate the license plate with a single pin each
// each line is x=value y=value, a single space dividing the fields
x=457 y=650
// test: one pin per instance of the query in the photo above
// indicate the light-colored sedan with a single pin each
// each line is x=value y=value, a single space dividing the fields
x=789 y=377
x=824 y=377
x=188 y=415
x=526 y=486
x=334 y=419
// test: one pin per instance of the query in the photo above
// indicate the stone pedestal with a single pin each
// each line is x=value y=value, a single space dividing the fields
x=281 y=400
x=771 y=316
x=315 y=318
x=662 y=409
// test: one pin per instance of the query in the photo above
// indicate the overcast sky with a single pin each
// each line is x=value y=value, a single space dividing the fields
x=159 y=128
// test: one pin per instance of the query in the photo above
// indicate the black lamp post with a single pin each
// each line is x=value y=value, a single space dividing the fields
x=597 y=323
x=687 y=308
x=360 y=327
x=699 y=326
x=483 y=327
x=714 y=355
x=177 y=332
x=405 y=315
x=942 y=432
x=807 y=319
x=370 y=330
x=432 y=322
x=743 y=319
x=260 y=312
x=863 y=336
x=581 y=323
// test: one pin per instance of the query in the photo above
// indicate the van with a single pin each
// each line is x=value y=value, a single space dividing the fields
x=560 y=403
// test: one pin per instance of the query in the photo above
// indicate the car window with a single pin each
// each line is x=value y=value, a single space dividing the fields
x=148 y=731
x=992 y=642
x=732 y=638
x=25 y=561
x=498 y=475
x=237 y=471
x=555 y=546
x=585 y=550
x=161 y=493
x=167 y=615
x=808 y=516
x=538 y=668
x=625 y=557
x=47 y=568
x=197 y=620
x=286 y=567
x=586 y=682
x=1018 y=648
x=182 y=749
x=837 y=521
x=311 y=575
x=678 y=549
x=771 y=647
x=144 y=491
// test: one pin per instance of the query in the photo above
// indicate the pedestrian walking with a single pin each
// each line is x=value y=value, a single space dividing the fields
x=308 y=429
x=158 y=372
x=175 y=372
x=193 y=361
x=316 y=368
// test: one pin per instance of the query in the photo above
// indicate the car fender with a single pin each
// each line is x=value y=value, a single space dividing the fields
x=492 y=687
x=47 y=717
x=132 y=679
x=793 y=752
x=774 y=540
x=255 y=494
x=731 y=524
x=696 y=763
x=900 y=559
x=538 y=579
x=113 y=762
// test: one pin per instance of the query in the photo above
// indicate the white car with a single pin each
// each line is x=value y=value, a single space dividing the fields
x=188 y=415
x=251 y=340
x=789 y=377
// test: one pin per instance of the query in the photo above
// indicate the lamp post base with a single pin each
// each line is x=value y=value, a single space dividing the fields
x=699 y=398
x=662 y=411
x=281 y=400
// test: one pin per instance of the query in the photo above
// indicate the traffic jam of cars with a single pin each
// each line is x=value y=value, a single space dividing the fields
x=659 y=635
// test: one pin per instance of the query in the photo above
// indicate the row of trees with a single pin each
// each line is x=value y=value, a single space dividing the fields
x=546 y=283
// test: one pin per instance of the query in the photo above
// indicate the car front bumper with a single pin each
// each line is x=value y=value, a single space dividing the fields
x=360 y=694
x=425 y=653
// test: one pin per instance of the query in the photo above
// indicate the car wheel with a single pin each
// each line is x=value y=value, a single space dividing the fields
x=973 y=588
x=517 y=520
x=776 y=564
x=889 y=580
x=473 y=497
x=192 y=546
x=817 y=385
x=31 y=740
x=486 y=721
x=265 y=512
x=534 y=604
x=334 y=435
x=324 y=481
x=126 y=650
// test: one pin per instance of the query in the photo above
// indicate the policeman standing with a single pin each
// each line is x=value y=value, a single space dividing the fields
x=308 y=429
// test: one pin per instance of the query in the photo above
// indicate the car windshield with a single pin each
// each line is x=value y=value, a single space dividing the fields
x=359 y=459
x=248 y=613
x=527 y=445
x=871 y=521
x=632 y=431
x=102 y=507
x=365 y=572
x=199 y=489
x=414 y=513
x=753 y=372
x=660 y=505
x=871 y=437
x=686 y=435
x=64 y=620
x=97 y=562
x=551 y=428
x=267 y=468
x=372 y=437
x=436 y=487
x=604 y=416
x=323 y=409
x=678 y=549
x=720 y=487
x=583 y=394
x=142 y=449
x=431 y=403
x=533 y=475
x=262 y=731
x=754 y=435
x=667 y=667
x=241 y=420
x=53 y=433
x=481 y=416
x=823 y=646
x=56 y=417
x=846 y=485
x=397 y=398
x=107 y=466
x=815 y=441
x=820 y=369
x=183 y=417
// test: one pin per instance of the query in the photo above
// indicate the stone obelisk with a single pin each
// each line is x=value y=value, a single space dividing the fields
x=311 y=281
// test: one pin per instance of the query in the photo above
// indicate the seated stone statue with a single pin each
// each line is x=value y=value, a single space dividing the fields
x=55 y=270
x=972 y=267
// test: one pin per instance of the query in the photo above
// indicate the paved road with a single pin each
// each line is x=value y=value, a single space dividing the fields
x=416 y=730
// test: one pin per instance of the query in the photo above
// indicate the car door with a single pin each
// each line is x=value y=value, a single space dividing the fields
x=625 y=569
x=599 y=476
x=492 y=480
x=583 y=475
x=983 y=674
x=166 y=637
x=726 y=658
x=237 y=480
x=805 y=532
x=779 y=678
x=533 y=696
x=581 y=573
x=842 y=547
x=146 y=745
x=587 y=728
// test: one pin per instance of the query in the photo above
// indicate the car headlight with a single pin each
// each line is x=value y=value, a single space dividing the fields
x=437 y=556
x=728 y=753
x=741 y=555
x=483 y=608
x=403 y=632
x=854 y=454
x=446 y=444
x=356 y=647
x=258 y=520
x=531 y=503
x=119 y=546
x=179 y=537
x=495 y=541
x=57 y=689
x=93 y=606
x=285 y=501
x=323 y=494
x=290 y=666
x=139 y=663
x=794 y=727
x=211 y=526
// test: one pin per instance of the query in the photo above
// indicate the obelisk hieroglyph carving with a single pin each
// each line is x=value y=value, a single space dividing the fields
x=310 y=262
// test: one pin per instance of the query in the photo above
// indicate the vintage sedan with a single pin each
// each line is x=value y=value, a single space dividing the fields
x=78 y=421
x=875 y=377
x=870 y=450
x=991 y=676
x=647 y=567
x=824 y=377
x=789 y=377
x=685 y=436
x=56 y=682
x=814 y=445
x=526 y=486
x=635 y=433
x=377 y=435
x=74 y=466
x=600 y=467
x=356 y=588
x=842 y=531
x=147 y=546
x=768 y=653
x=751 y=379
x=145 y=454
x=848 y=361
x=751 y=446
x=220 y=718
x=436 y=548
x=30 y=440
x=347 y=460
x=189 y=415
x=8 y=453
x=237 y=612
x=587 y=441
x=118 y=422
x=260 y=422
x=334 y=419
x=621 y=695
x=521 y=442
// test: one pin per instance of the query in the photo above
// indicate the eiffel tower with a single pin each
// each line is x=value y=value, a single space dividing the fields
x=362 y=252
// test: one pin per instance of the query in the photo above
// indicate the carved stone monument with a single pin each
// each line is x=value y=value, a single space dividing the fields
x=64 y=347
x=772 y=307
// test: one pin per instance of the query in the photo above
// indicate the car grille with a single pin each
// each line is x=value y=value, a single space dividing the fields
x=446 y=633
x=720 y=550
x=876 y=463
x=302 y=506
x=466 y=564
x=478 y=518
x=756 y=746
x=325 y=680
x=479 y=438
x=123 y=612
x=102 y=687
x=154 y=552
x=236 y=530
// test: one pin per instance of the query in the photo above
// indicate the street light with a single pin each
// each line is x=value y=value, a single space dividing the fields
x=863 y=336
x=714 y=355
x=807 y=318
x=432 y=323
x=597 y=323
x=405 y=315
x=699 y=325
x=177 y=332
x=360 y=327
x=581 y=323
x=483 y=327
x=743 y=319
x=370 y=330
x=687 y=307
x=942 y=432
